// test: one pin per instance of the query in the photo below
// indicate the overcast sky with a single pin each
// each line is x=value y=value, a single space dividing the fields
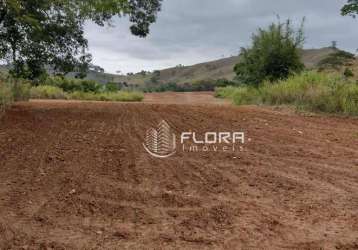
x=193 y=31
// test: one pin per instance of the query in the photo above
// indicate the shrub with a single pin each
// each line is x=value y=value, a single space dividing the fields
x=155 y=77
x=111 y=87
x=12 y=90
x=21 y=90
x=203 y=85
x=310 y=91
x=223 y=82
x=348 y=73
x=71 y=84
x=89 y=85
x=274 y=55
x=47 y=92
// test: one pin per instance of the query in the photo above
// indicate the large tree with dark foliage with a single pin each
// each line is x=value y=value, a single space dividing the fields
x=274 y=54
x=35 y=34
x=351 y=8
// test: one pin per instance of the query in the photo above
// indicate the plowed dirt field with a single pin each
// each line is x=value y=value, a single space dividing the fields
x=75 y=175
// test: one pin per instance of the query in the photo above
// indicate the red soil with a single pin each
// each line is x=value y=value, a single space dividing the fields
x=74 y=175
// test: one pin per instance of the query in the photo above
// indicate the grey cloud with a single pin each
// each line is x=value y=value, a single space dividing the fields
x=191 y=31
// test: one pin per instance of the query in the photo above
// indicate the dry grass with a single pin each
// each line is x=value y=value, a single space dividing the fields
x=311 y=91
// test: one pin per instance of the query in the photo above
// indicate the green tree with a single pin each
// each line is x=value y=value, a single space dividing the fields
x=155 y=76
x=274 y=54
x=35 y=34
x=348 y=73
x=112 y=87
x=351 y=8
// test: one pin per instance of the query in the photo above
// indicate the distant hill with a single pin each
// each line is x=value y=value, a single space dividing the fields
x=214 y=70
x=222 y=68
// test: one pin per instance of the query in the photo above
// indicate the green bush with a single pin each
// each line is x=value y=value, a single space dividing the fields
x=11 y=90
x=309 y=91
x=72 y=85
x=348 y=73
x=274 y=55
x=47 y=92
x=21 y=90
x=111 y=87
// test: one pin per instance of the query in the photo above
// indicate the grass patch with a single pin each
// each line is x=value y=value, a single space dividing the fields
x=312 y=91
x=12 y=90
x=6 y=95
x=226 y=92
x=47 y=92
x=120 y=96
x=239 y=95
x=52 y=92
x=195 y=86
